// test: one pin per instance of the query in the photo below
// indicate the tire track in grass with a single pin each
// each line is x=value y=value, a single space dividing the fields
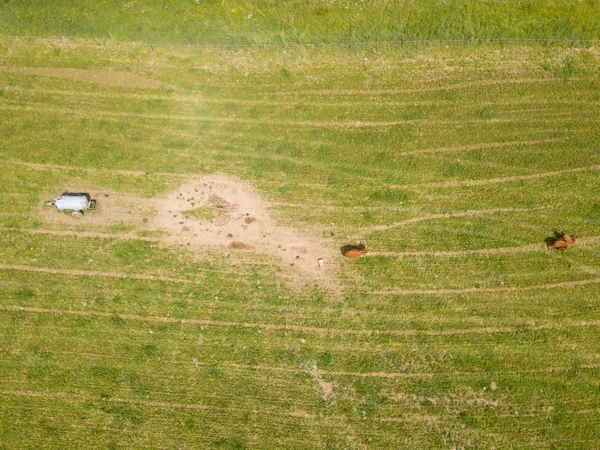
x=183 y=176
x=298 y=414
x=128 y=237
x=486 y=181
x=309 y=329
x=449 y=87
x=90 y=273
x=564 y=285
x=196 y=100
x=52 y=166
x=145 y=403
x=468 y=213
x=448 y=254
x=87 y=234
x=483 y=251
x=482 y=145
x=41 y=108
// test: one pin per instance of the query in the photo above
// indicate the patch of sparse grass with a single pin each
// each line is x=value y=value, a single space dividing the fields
x=202 y=214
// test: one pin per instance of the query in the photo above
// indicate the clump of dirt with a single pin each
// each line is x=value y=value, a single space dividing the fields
x=240 y=222
x=326 y=387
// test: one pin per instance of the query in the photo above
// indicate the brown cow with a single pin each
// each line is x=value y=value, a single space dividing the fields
x=354 y=251
x=564 y=242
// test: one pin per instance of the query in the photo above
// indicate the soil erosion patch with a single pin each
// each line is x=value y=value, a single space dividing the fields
x=220 y=211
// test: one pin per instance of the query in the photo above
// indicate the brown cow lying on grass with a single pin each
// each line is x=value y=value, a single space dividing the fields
x=354 y=251
x=562 y=241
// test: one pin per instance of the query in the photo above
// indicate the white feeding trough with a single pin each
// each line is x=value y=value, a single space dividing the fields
x=75 y=202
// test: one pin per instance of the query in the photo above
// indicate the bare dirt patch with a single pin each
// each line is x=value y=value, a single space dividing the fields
x=326 y=387
x=212 y=213
x=112 y=208
x=236 y=219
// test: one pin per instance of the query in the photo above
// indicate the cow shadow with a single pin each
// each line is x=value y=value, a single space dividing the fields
x=550 y=240
x=346 y=248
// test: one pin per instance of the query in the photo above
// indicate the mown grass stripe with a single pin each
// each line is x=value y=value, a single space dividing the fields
x=468 y=213
x=483 y=145
x=484 y=251
x=447 y=87
x=307 y=329
x=357 y=123
x=486 y=181
x=89 y=273
x=563 y=285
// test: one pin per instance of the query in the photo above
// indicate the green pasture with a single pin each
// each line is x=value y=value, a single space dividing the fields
x=452 y=163
x=270 y=22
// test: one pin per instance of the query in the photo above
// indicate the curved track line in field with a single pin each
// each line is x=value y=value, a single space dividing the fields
x=146 y=403
x=40 y=108
x=85 y=234
x=485 y=251
x=196 y=98
x=450 y=87
x=468 y=213
x=563 y=285
x=187 y=406
x=52 y=166
x=482 y=145
x=486 y=181
x=336 y=373
x=297 y=328
x=482 y=251
x=93 y=76
x=89 y=273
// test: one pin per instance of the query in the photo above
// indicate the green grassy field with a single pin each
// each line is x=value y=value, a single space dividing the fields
x=293 y=22
x=452 y=163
